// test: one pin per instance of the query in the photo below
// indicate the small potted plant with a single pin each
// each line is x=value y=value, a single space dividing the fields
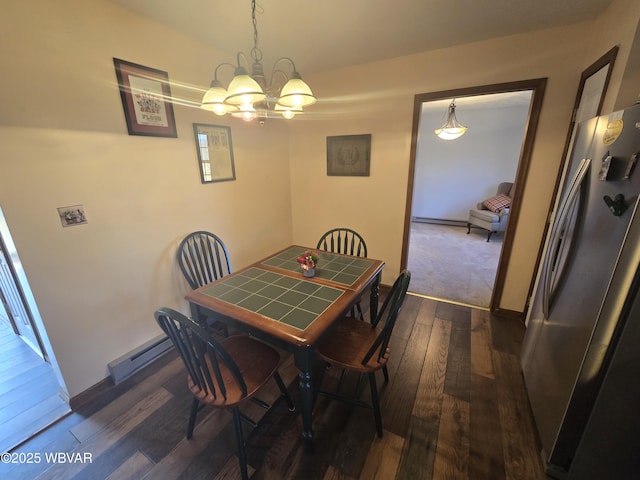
x=308 y=262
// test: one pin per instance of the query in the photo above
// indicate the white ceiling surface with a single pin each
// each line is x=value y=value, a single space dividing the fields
x=321 y=35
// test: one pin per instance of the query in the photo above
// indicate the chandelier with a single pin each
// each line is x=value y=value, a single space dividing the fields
x=452 y=129
x=250 y=96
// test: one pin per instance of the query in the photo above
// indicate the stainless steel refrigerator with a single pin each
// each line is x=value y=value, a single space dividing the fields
x=581 y=351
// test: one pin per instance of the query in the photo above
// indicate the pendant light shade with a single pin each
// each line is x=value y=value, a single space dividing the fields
x=244 y=90
x=214 y=98
x=296 y=93
x=452 y=129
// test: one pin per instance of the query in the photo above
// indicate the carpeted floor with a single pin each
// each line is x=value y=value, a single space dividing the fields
x=448 y=264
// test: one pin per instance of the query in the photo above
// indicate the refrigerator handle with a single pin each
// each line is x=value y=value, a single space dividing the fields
x=556 y=232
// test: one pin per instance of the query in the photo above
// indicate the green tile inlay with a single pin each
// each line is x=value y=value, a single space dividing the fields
x=315 y=305
x=233 y=296
x=328 y=293
x=271 y=291
x=345 y=278
x=306 y=287
x=330 y=266
x=236 y=281
x=286 y=282
x=252 y=273
x=269 y=277
x=292 y=301
x=275 y=310
x=217 y=289
x=299 y=318
x=253 y=285
x=292 y=298
x=254 y=302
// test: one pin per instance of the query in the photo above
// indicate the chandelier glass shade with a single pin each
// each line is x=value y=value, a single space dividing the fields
x=249 y=96
x=452 y=129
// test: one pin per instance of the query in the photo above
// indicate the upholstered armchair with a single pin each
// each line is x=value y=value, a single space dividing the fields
x=492 y=214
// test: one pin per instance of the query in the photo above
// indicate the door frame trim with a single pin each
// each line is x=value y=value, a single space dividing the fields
x=537 y=87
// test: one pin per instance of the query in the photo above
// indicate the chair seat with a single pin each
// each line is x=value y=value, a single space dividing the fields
x=484 y=215
x=347 y=344
x=257 y=363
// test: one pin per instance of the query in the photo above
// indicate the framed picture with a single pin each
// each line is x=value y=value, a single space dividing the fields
x=215 y=152
x=349 y=155
x=73 y=215
x=146 y=99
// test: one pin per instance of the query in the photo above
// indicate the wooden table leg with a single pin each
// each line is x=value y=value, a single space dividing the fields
x=373 y=299
x=303 y=357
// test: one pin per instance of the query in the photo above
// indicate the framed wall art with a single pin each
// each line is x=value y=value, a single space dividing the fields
x=146 y=100
x=215 y=153
x=73 y=215
x=349 y=155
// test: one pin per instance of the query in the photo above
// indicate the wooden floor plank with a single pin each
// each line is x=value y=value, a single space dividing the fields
x=101 y=420
x=113 y=432
x=481 y=362
x=428 y=399
x=30 y=421
x=421 y=440
x=486 y=459
x=419 y=450
x=384 y=458
x=458 y=376
x=521 y=456
x=134 y=468
x=186 y=451
x=452 y=452
x=404 y=384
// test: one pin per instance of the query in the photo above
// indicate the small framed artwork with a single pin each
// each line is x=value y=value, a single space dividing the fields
x=215 y=153
x=72 y=216
x=146 y=99
x=349 y=155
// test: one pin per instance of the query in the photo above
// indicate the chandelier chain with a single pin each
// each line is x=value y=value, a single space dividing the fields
x=256 y=53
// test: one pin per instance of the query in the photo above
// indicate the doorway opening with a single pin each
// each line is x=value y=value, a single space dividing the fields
x=32 y=392
x=461 y=179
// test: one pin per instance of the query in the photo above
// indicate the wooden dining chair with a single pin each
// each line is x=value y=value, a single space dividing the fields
x=348 y=242
x=203 y=258
x=364 y=348
x=222 y=374
x=343 y=240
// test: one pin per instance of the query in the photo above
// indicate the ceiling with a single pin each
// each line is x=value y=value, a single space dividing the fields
x=321 y=35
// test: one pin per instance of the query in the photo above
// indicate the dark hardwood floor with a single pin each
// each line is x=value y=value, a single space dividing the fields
x=455 y=408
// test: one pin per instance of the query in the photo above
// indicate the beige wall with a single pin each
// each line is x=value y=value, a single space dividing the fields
x=378 y=202
x=377 y=98
x=63 y=141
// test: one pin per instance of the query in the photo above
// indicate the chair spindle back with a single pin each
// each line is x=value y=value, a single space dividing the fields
x=203 y=258
x=343 y=240
x=200 y=353
x=391 y=307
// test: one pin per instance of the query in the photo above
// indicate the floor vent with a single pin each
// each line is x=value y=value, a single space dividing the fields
x=122 y=368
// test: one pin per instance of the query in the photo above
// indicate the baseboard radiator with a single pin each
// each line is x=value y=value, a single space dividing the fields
x=440 y=221
x=128 y=364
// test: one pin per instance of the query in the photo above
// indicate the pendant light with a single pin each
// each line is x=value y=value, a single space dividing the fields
x=452 y=129
x=249 y=96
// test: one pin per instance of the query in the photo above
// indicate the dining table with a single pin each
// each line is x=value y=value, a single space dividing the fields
x=275 y=302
